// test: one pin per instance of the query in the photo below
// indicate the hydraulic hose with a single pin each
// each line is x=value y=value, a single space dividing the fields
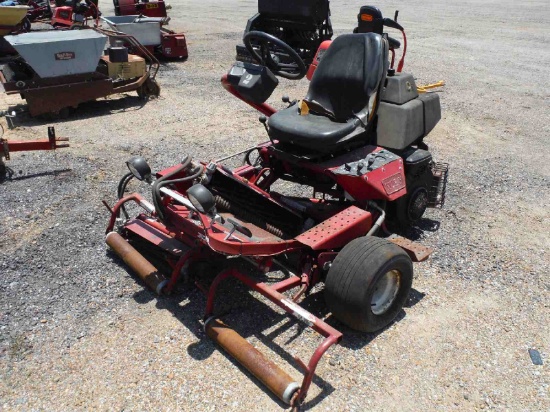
x=123 y=183
x=122 y=188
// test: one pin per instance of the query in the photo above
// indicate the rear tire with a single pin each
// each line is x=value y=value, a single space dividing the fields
x=368 y=283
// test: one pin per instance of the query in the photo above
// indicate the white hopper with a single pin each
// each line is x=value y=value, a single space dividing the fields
x=60 y=53
x=145 y=30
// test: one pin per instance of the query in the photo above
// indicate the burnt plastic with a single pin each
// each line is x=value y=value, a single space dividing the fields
x=254 y=82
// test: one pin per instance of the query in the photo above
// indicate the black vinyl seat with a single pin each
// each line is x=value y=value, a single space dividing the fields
x=340 y=98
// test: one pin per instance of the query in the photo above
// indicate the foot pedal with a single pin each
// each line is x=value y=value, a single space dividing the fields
x=438 y=187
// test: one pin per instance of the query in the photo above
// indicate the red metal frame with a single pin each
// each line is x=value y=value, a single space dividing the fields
x=199 y=235
x=273 y=293
x=51 y=143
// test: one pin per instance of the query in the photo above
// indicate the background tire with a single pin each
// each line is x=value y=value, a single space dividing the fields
x=368 y=283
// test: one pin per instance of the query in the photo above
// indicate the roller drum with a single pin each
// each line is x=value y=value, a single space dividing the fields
x=277 y=381
x=135 y=260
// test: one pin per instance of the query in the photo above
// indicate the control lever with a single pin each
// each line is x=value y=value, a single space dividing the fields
x=263 y=120
x=392 y=23
x=239 y=228
x=286 y=99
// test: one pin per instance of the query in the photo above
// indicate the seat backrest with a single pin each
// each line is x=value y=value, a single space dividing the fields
x=350 y=72
x=306 y=10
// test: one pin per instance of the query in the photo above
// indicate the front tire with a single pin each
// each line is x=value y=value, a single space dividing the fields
x=368 y=283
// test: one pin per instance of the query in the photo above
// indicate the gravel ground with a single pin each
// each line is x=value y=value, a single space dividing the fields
x=78 y=333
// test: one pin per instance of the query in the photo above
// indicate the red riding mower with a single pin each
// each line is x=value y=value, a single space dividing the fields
x=356 y=140
x=76 y=15
x=38 y=10
x=141 y=7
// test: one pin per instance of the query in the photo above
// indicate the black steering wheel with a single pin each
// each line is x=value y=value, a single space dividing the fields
x=293 y=71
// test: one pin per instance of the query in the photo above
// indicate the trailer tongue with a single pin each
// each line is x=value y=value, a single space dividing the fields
x=7 y=146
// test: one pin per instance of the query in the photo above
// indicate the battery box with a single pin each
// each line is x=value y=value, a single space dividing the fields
x=404 y=116
x=135 y=67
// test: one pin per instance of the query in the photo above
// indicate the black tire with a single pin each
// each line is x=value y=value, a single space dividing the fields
x=3 y=171
x=148 y=89
x=26 y=25
x=361 y=268
x=141 y=92
x=117 y=7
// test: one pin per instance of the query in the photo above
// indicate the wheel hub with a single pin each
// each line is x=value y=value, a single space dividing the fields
x=385 y=292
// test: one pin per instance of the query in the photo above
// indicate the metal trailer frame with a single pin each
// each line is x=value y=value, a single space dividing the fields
x=159 y=41
x=52 y=95
x=11 y=146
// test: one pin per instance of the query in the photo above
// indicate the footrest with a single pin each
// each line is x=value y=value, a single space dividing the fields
x=338 y=230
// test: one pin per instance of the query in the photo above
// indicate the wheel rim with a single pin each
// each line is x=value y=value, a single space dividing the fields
x=385 y=292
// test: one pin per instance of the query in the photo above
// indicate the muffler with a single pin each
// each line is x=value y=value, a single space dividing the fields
x=135 y=260
x=276 y=380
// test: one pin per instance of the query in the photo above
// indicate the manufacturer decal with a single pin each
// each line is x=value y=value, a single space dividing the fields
x=65 y=56
x=393 y=184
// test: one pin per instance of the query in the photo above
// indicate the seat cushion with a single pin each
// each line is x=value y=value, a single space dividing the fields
x=315 y=132
x=349 y=73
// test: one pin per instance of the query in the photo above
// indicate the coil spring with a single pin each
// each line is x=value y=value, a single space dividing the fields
x=224 y=204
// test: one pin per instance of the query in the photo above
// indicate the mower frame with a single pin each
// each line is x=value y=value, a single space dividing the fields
x=262 y=227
